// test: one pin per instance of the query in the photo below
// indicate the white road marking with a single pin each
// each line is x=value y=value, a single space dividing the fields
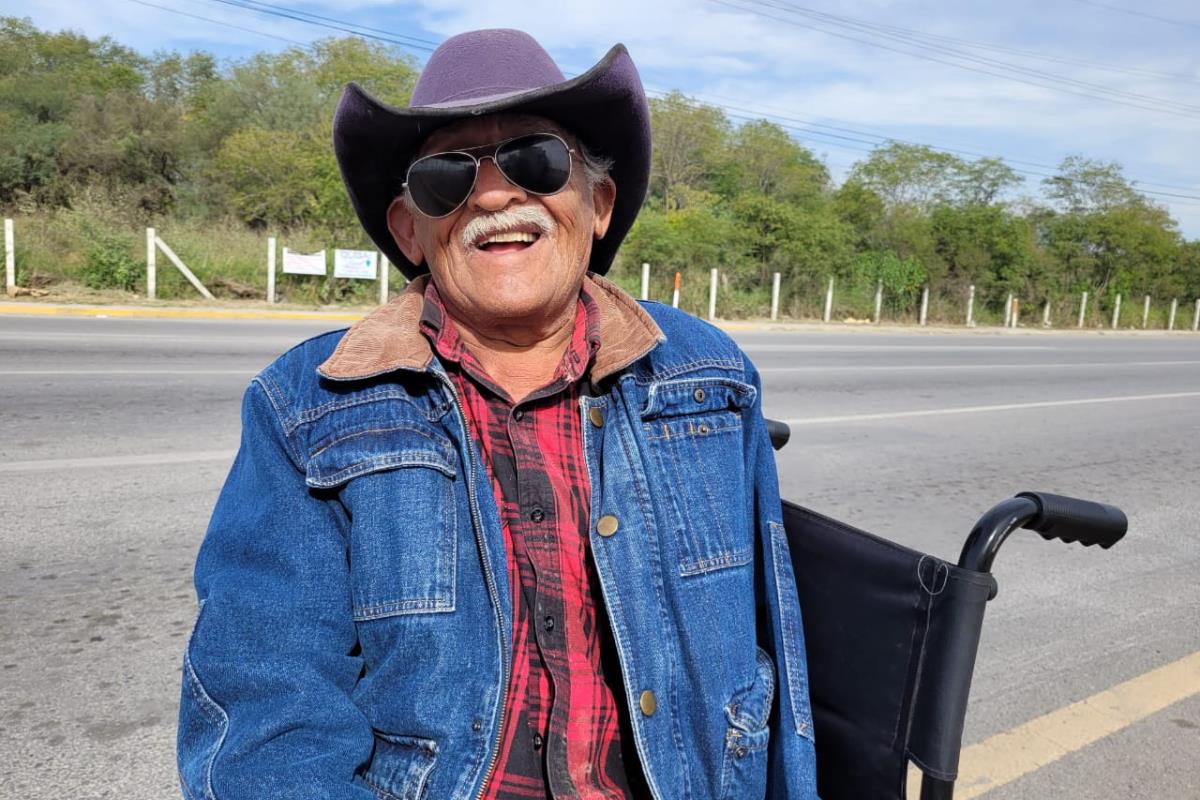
x=935 y=412
x=101 y=462
x=951 y=367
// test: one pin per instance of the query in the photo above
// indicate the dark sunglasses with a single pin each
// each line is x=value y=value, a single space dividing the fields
x=539 y=163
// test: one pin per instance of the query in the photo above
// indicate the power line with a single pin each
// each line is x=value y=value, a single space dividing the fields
x=218 y=22
x=1165 y=106
x=810 y=129
x=1181 y=22
x=344 y=27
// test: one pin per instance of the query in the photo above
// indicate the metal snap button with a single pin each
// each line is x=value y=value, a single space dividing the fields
x=597 y=417
x=698 y=395
x=537 y=515
x=607 y=525
x=648 y=703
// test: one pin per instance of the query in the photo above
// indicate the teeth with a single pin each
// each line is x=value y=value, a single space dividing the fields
x=512 y=236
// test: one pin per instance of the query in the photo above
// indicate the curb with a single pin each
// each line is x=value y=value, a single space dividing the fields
x=93 y=310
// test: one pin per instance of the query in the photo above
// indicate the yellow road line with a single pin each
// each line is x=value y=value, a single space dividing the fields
x=1007 y=756
x=172 y=313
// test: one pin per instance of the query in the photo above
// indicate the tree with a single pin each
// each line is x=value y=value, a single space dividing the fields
x=1085 y=185
x=910 y=175
x=764 y=159
x=688 y=139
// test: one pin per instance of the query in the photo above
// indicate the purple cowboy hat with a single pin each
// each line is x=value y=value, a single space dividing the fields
x=485 y=72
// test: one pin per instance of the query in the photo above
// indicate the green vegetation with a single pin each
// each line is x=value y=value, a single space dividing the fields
x=97 y=142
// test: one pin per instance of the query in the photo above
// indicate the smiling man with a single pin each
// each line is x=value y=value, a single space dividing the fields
x=514 y=534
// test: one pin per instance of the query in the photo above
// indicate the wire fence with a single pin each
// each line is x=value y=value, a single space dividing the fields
x=286 y=274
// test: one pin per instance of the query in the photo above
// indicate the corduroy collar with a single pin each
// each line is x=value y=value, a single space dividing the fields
x=390 y=338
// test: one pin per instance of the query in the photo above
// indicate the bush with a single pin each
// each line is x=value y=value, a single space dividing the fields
x=109 y=264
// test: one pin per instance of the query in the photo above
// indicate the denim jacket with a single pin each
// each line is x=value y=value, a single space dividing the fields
x=354 y=634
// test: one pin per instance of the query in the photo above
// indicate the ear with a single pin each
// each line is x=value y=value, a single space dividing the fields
x=403 y=229
x=603 y=196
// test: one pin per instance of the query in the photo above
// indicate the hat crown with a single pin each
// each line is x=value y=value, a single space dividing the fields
x=482 y=64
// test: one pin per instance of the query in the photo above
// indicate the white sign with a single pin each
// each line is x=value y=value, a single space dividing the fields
x=304 y=263
x=354 y=264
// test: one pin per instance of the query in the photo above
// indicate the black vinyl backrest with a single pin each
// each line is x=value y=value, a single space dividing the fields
x=891 y=636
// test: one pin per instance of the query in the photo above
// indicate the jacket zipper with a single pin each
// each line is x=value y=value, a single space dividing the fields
x=488 y=576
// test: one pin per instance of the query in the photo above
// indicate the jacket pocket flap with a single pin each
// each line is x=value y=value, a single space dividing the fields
x=361 y=452
x=697 y=395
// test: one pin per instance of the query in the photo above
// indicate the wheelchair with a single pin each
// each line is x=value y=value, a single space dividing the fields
x=892 y=634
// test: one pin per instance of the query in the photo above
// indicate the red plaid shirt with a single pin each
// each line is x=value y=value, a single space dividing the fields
x=566 y=730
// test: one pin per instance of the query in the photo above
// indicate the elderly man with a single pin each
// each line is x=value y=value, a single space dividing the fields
x=512 y=535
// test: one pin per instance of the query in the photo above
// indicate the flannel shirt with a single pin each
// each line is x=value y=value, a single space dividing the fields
x=565 y=730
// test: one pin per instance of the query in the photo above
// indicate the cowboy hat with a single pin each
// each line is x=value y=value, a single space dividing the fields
x=487 y=72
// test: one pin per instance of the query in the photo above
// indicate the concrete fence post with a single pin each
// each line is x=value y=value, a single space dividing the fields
x=645 y=281
x=384 y=275
x=1016 y=311
x=151 y=270
x=1171 y=316
x=1082 y=308
x=1196 y=316
x=1046 y=315
x=712 y=295
x=10 y=259
x=1116 y=312
x=1146 y=313
x=775 y=297
x=675 y=294
x=878 y=300
x=828 y=302
x=271 y=270
x=971 y=307
x=1008 y=310
x=924 y=304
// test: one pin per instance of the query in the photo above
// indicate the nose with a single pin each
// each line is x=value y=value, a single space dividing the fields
x=493 y=192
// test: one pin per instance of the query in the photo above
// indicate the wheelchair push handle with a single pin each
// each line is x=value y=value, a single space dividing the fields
x=1051 y=515
x=1074 y=520
x=779 y=432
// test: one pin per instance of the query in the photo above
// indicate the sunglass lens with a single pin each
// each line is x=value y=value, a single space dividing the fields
x=538 y=163
x=439 y=184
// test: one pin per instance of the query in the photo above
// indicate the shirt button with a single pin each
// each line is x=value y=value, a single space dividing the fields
x=518 y=415
x=607 y=525
x=648 y=703
x=597 y=417
x=537 y=515
x=548 y=622
x=538 y=741
x=477 y=725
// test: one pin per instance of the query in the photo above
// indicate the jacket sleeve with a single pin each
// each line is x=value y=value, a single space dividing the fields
x=265 y=708
x=792 y=761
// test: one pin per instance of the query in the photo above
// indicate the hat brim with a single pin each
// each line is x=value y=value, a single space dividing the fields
x=605 y=107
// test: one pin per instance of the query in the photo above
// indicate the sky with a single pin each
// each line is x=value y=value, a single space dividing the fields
x=1028 y=81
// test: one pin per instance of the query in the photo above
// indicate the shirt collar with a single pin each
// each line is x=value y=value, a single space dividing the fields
x=390 y=337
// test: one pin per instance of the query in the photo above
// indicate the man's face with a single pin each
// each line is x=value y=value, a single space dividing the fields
x=489 y=282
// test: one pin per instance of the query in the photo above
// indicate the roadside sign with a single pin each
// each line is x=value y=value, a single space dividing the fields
x=304 y=263
x=354 y=264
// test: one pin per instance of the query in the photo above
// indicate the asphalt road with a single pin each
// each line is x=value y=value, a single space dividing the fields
x=115 y=437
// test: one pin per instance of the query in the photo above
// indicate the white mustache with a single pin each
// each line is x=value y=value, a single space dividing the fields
x=507 y=220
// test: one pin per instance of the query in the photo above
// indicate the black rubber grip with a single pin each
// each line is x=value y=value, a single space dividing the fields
x=779 y=432
x=1074 y=520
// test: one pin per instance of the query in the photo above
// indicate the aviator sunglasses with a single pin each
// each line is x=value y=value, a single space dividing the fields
x=539 y=163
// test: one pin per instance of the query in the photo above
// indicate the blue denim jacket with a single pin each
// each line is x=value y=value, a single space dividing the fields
x=354 y=634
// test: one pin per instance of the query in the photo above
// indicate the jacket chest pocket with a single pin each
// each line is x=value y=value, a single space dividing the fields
x=397 y=484
x=694 y=436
